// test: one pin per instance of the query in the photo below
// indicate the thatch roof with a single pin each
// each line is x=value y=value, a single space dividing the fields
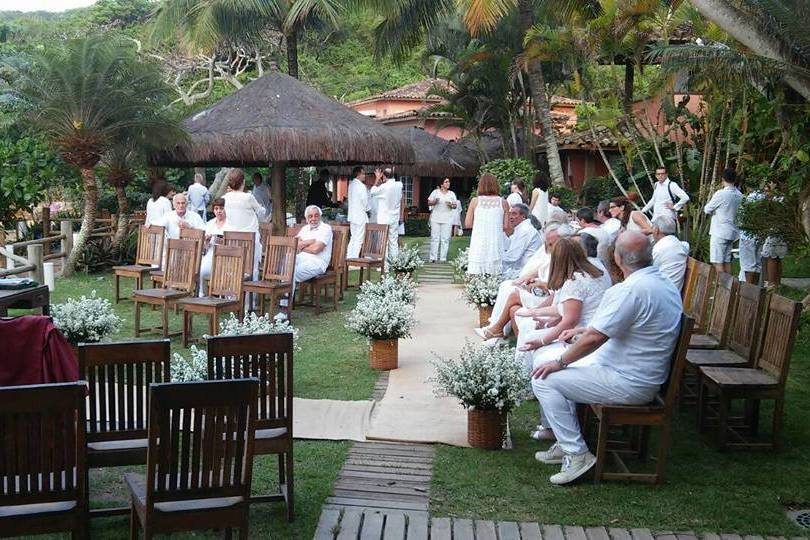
x=279 y=118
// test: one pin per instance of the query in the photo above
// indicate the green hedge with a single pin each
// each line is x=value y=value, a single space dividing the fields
x=417 y=227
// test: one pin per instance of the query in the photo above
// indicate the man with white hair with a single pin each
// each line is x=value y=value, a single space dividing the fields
x=669 y=254
x=314 y=246
x=180 y=218
x=632 y=335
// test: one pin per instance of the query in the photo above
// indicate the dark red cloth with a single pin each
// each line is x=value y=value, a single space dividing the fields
x=34 y=351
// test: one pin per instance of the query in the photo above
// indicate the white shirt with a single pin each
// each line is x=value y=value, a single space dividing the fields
x=661 y=197
x=612 y=227
x=172 y=222
x=358 y=202
x=540 y=210
x=242 y=212
x=723 y=208
x=440 y=212
x=155 y=210
x=588 y=290
x=540 y=259
x=523 y=243
x=513 y=199
x=389 y=201
x=198 y=197
x=212 y=229
x=262 y=195
x=670 y=256
x=641 y=318
x=322 y=234
x=603 y=239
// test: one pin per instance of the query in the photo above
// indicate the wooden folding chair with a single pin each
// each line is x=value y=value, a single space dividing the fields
x=372 y=254
x=765 y=381
x=332 y=274
x=119 y=375
x=224 y=291
x=269 y=358
x=178 y=283
x=277 y=272
x=725 y=302
x=43 y=485
x=701 y=297
x=148 y=257
x=200 y=459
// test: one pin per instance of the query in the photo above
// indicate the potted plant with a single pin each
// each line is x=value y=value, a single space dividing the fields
x=195 y=368
x=86 y=320
x=481 y=291
x=406 y=262
x=384 y=313
x=489 y=383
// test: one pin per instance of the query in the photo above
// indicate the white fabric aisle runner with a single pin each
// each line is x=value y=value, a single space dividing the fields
x=410 y=411
x=331 y=419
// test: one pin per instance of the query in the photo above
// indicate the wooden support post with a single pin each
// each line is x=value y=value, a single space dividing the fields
x=46 y=229
x=278 y=189
x=2 y=244
x=66 y=230
x=35 y=258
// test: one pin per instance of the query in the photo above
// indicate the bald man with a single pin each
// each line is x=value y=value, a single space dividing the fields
x=180 y=218
x=632 y=335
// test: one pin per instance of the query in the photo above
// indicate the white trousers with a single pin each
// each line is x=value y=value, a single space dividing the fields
x=205 y=270
x=358 y=231
x=439 y=240
x=393 y=241
x=504 y=290
x=307 y=266
x=560 y=392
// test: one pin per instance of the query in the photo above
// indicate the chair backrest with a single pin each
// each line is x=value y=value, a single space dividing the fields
x=375 y=242
x=246 y=240
x=688 y=288
x=780 y=335
x=265 y=232
x=119 y=375
x=678 y=362
x=227 y=271
x=150 y=245
x=279 y=258
x=748 y=318
x=42 y=443
x=725 y=301
x=340 y=241
x=200 y=440
x=293 y=230
x=267 y=357
x=699 y=308
x=180 y=270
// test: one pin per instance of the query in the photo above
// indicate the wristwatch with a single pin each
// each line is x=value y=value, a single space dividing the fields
x=560 y=362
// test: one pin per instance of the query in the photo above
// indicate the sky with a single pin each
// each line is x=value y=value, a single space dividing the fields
x=43 y=5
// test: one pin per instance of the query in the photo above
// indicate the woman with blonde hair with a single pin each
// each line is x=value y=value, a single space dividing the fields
x=487 y=216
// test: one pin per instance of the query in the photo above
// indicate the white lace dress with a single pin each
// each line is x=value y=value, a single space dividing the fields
x=486 y=241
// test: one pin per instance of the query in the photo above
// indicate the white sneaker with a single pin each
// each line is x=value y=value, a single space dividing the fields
x=542 y=434
x=553 y=456
x=573 y=466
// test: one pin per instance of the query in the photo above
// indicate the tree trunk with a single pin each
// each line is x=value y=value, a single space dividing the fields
x=537 y=87
x=744 y=29
x=292 y=53
x=278 y=189
x=217 y=188
x=123 y=218
x=629 y=78
x=88 y=219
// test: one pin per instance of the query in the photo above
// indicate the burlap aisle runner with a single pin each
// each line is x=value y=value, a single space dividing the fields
x=331 y=419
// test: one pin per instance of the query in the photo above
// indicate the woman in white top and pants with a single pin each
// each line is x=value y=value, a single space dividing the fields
x=243 y=213
x=442 y=203
x=158 y=206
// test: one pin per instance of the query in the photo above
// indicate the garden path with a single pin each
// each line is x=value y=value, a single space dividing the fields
x=433 y=272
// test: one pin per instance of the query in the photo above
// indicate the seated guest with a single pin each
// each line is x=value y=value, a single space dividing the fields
x=621 y=208
x=669 y=254
x=525 y=239
x=556 y=213
x=314 y=246
x=214 y=232
x=589 y=225
x=632 y=334
x=180 y=218
x=610 y=224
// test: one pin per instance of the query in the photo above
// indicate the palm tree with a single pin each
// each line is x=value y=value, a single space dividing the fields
x=86 y=96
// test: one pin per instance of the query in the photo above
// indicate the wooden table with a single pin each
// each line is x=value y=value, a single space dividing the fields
x=31 y=298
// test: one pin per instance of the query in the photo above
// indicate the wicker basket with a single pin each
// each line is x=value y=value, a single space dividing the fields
x=484 y=313
x=383 y=353
x=485 y=429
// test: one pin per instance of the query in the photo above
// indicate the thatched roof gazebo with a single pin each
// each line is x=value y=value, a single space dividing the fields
x=279 y=121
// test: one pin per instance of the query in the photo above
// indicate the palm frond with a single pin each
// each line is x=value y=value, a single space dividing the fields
x=481 y=16
x=404 y=24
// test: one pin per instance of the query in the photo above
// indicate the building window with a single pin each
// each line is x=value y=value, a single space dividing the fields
x=407 y=188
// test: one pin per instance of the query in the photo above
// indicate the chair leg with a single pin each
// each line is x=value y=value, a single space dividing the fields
x=700 y=411
x=244 y=526
x=116 y=288
x=335 y=289
x=316 y=292
x=663 y=450
x=133 y=524
x=601 y=450
x=165 y=319
x=186 y=327
x=290 y=494
x=724 y=405
x=212 y=323
x=137 y=318
x=778 y=413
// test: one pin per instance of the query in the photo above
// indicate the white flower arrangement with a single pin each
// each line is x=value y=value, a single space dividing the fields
x=389 y=287
x=384 y=310
x=195 y=368
x=407 y=260
x=483 y=378
x=460 y=262
x=481 y=290
x=88 y=319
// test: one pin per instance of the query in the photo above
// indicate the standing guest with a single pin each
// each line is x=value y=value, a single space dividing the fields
x=357 y=212
x=198 y=196
x=668 y=197
x=669 y=254
x=458 y=227
x=751 y=249
x=723 y=230
x=556 y=213
x=314 y=246
x=621 y=208
x=773 y=251
x=487 y=216
x=632 y=334
x=388 y=192
x=589 y=225
x=442 y=203
x=159 y=205
x=244 y=213
x=214 y=231
x=610 y=224
x=261 y=192
x=318 y=194
x=523 y=243
x=539 y=200
x=180 y=218
x=517 y=193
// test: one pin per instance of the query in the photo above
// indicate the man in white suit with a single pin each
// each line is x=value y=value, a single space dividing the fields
x=358 y=212
x=388 y=191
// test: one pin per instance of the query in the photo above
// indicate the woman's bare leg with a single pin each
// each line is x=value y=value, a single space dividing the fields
x=512 y=301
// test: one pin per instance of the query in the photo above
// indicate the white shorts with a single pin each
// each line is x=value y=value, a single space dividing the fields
x=750 y=254
x=719 y=250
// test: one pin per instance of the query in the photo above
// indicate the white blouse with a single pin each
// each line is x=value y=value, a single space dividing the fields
x=242 y=212
x=155 y=210
x=440 y=212
x=586 y=289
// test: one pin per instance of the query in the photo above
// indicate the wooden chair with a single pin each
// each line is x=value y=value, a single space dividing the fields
x=119 y=375
x=765 y=381
x=265 y=232
x=277 y=272
x=197 y=235
x=342 y=271
x=269 y=358
x=725 y=301
x=200 y=458
x=698 y=308
x=372 y=254
x=178 y=283
x=43 y=485
x=332 y=274
x=224 y=291
x=688 y=288
x=148 y=257
x=247 y=241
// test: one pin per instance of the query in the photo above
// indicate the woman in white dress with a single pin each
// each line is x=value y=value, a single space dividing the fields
x=214 y=230
x=539 y=201
x=487 y=216
x=621 y=208
x=442 y=203
x=158 y=205
x=243 y=212
x=518 y=194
